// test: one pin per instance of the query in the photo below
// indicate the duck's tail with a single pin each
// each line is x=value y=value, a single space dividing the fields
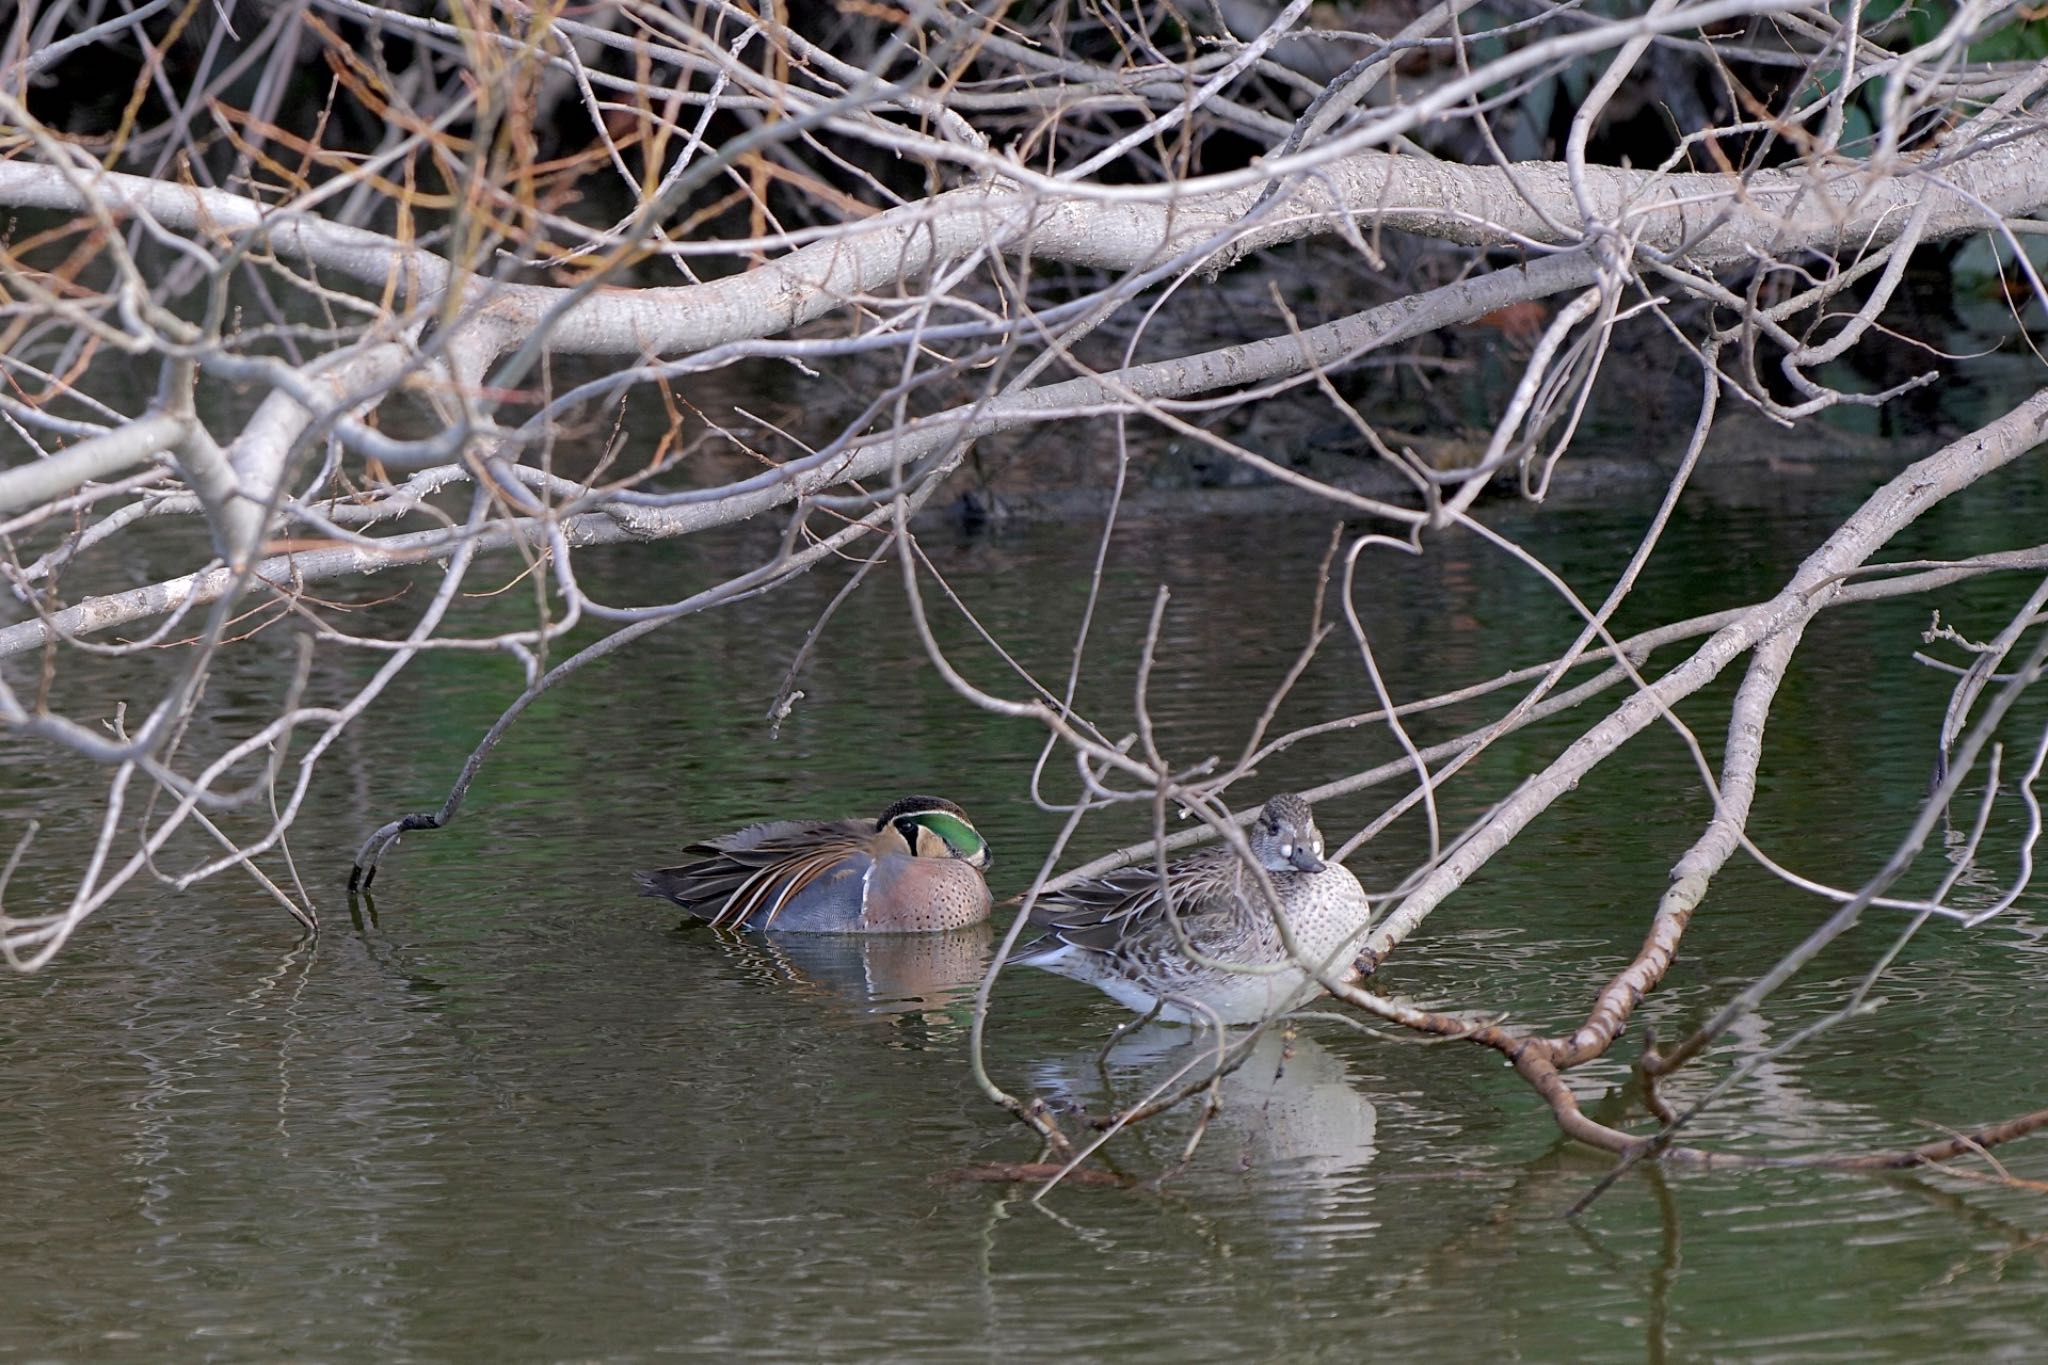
x=670 y=883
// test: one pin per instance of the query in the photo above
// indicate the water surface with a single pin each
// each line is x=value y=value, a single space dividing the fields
x=509 y=1111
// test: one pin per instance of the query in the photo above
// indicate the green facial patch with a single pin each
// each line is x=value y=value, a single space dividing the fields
x=961 y=837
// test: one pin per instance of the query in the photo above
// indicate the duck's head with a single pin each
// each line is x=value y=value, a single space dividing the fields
x=936 y=828
x=1285 y=839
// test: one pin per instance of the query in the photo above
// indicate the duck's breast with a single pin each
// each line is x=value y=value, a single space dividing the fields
x=908 y=895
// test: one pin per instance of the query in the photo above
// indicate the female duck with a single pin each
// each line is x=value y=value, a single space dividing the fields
x=917 y=869
x=1117 y=932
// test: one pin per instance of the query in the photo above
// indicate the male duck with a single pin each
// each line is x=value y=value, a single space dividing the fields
x=917 y=869
x=1114 y=932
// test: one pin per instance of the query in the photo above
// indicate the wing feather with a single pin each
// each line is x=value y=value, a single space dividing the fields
x=758 y=870
x=1105 y=912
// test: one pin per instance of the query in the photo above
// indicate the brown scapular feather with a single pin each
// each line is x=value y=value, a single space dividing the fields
x=760 y=868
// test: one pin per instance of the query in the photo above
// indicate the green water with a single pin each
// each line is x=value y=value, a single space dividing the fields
x=512 y=1112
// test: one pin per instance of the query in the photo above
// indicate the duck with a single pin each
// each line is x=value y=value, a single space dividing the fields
x=1116 y=932
x=919 y=867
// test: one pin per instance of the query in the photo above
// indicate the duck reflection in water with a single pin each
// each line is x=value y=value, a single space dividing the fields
x=1290 y=1109
x=926 y=976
